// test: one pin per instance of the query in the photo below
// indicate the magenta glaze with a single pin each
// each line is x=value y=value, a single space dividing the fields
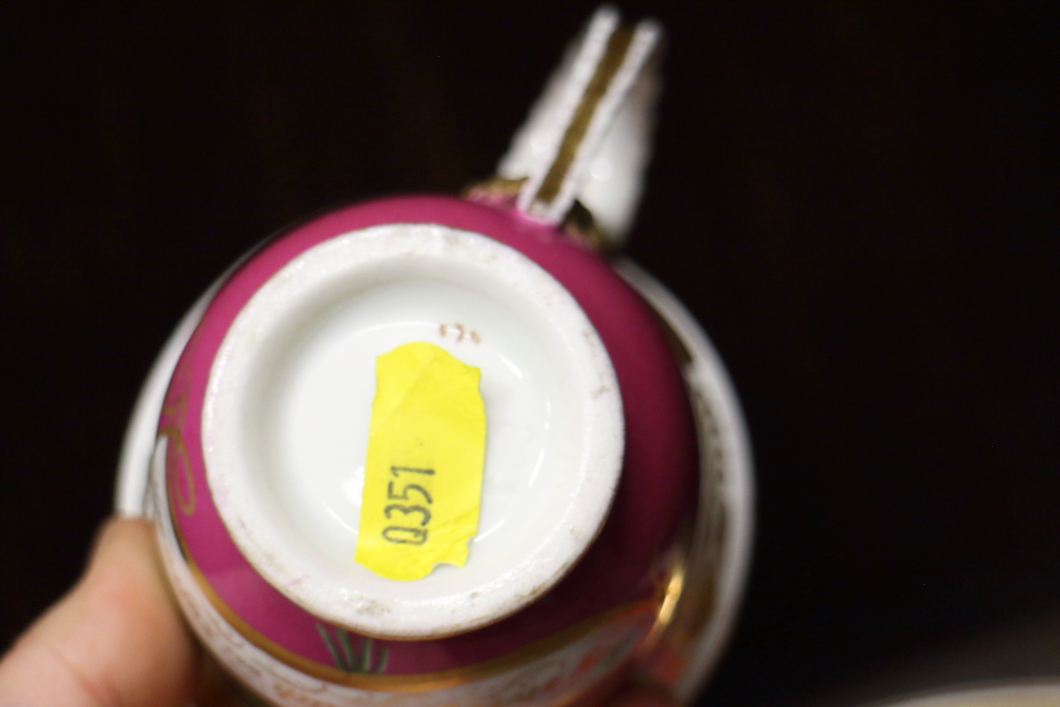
x=657 y=486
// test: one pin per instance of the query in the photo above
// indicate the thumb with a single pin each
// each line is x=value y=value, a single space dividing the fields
x=114 y=639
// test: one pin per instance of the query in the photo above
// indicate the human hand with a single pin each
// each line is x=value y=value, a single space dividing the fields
x=117 y=639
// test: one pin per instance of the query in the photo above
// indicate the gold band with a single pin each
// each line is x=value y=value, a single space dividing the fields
x=409 y=682
x=614 y=55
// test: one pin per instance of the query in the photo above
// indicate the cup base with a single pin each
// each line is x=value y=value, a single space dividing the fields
x=288 y=409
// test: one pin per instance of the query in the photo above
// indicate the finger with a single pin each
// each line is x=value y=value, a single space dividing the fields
x=114 y=639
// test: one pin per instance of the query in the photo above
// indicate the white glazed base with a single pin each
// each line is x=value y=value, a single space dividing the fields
x=288 y=409
x=732 y=481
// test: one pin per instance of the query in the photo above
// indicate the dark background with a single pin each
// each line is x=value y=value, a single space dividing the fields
x=858 y=201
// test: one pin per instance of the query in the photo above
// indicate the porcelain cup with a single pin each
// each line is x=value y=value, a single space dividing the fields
x=614 y=526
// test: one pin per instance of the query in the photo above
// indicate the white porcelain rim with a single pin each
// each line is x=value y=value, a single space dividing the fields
x=317 y=588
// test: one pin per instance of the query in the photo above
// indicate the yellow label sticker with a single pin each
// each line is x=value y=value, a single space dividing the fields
x=423 y=475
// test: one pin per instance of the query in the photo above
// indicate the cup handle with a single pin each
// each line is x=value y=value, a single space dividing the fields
x=588 y=137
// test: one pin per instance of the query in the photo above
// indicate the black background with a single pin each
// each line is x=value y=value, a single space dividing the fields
x=858 y=201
